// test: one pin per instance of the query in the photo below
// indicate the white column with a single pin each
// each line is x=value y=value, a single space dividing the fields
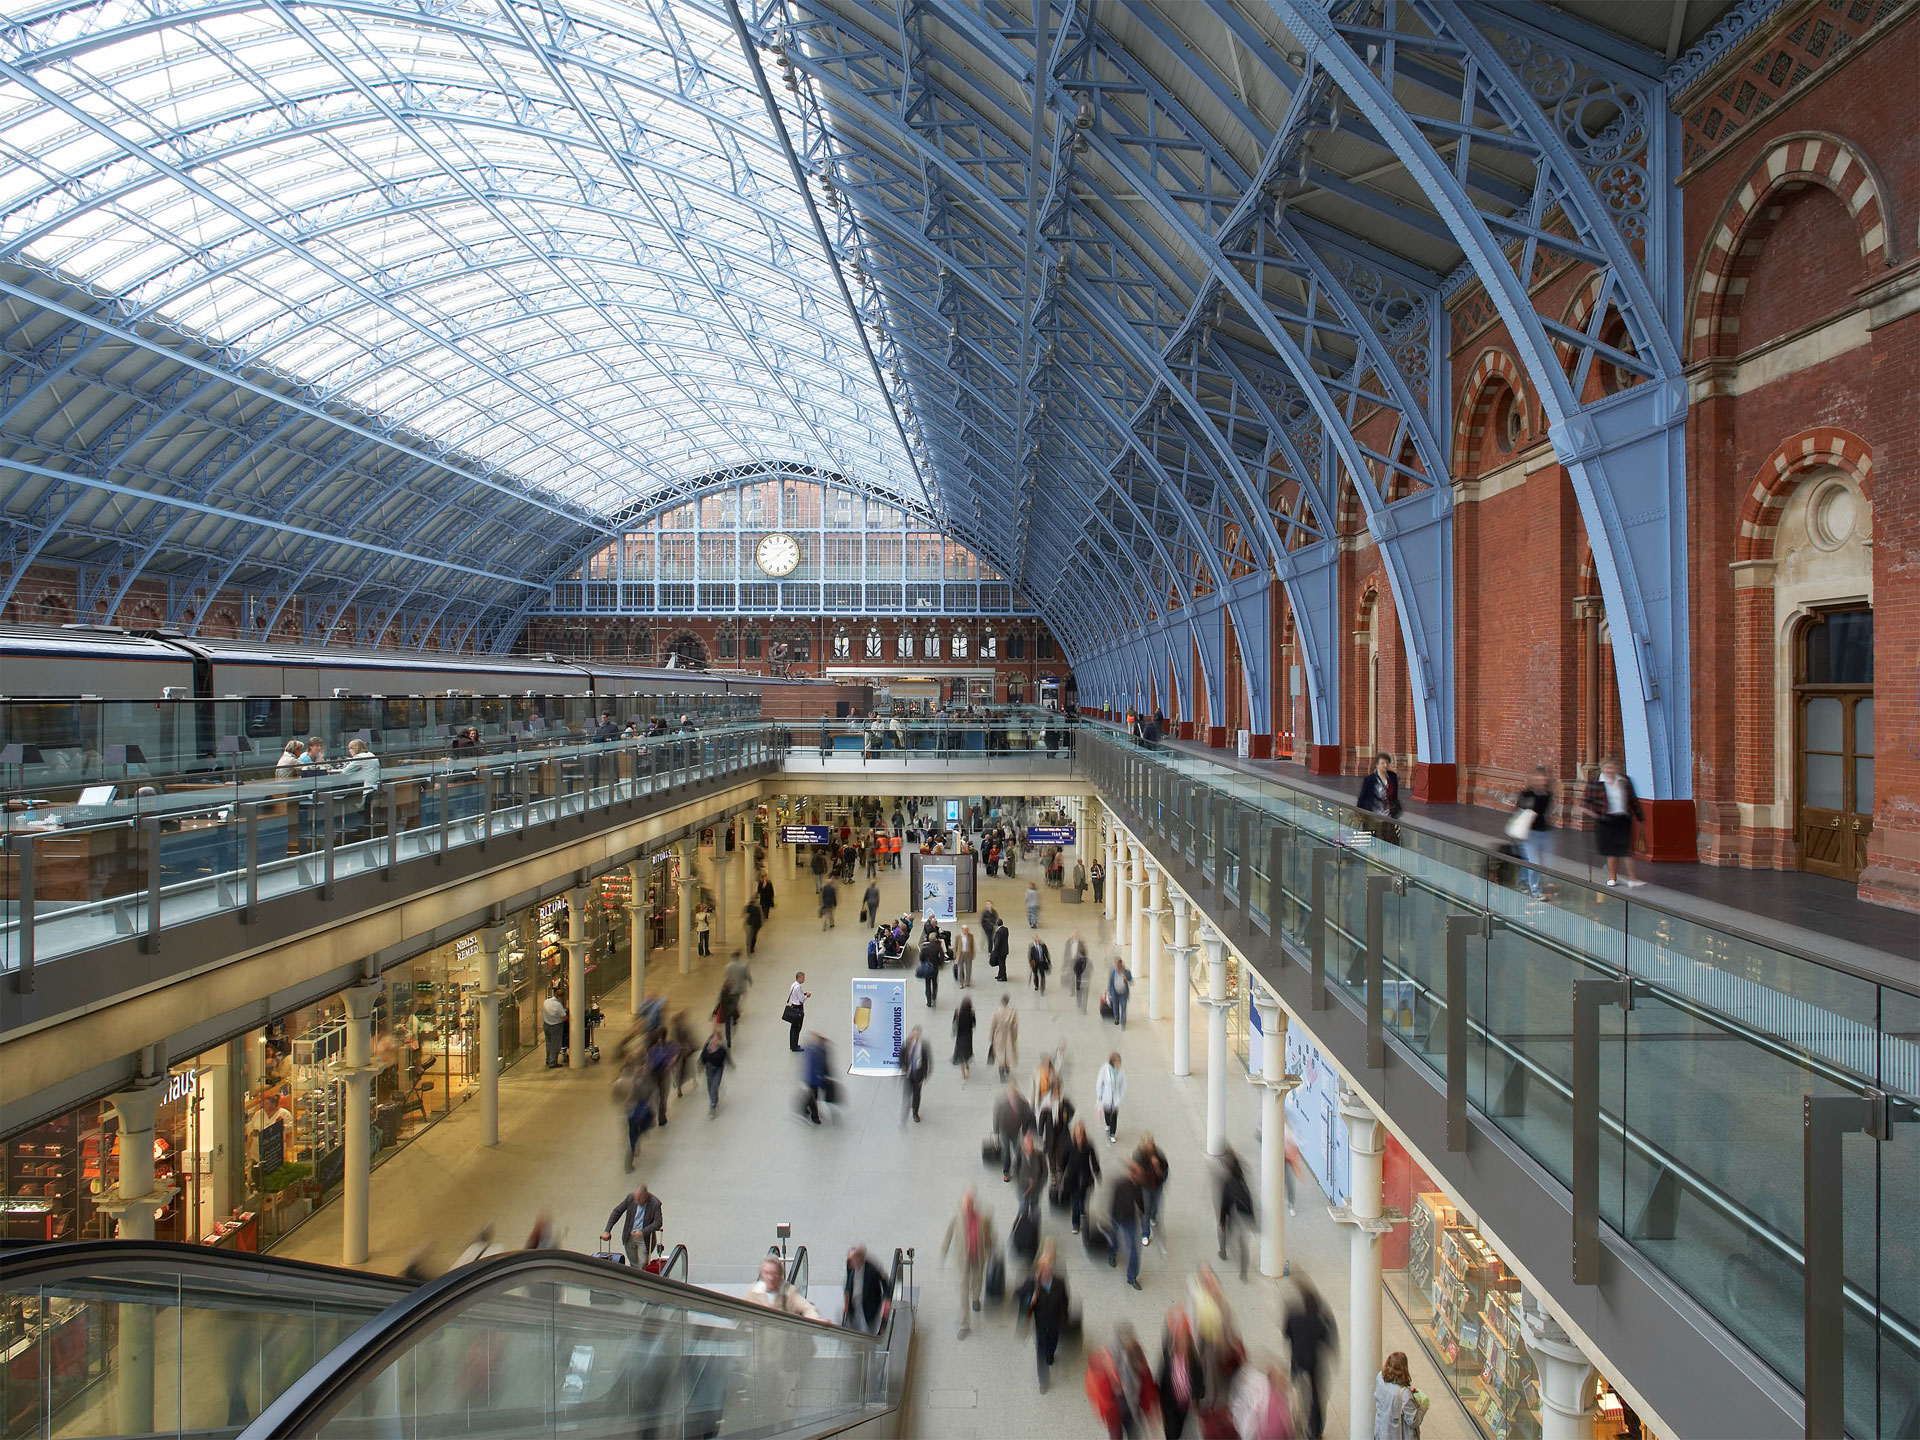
x=577 y=942
x=637 y=934
x=358 y=1070
x=1565 y=1375
x=1156 y=950
x=1182 y=958
x=689 y=897
x=133 y=1201
x=1365 y=1141
x=1216 y=1039
x=492 y=941
x=1120 y=878
x=1137 y=914
x=1110 y=852
x=1273 y=1132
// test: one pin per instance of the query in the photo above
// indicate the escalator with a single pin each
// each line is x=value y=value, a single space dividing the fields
x=148 y=1339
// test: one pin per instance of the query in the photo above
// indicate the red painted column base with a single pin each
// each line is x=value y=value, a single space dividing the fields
x=1323 y=759
x=1261 y=747
x=1216 y=737
x=1437 y=783
x=1185 y=728
x=1670 y=832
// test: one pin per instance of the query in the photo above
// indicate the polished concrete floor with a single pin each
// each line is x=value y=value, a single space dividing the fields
x=726 y=1181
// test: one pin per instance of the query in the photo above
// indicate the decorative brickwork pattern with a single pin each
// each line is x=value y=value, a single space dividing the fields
x=1820 y=34
x=1493 y=369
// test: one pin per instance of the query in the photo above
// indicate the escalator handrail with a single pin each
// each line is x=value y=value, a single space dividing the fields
x=125 y=1259
x=799 y=1269
x=677 y=1263
x=303 y=1407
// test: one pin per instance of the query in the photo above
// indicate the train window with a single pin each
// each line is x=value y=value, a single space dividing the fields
x=263 y=718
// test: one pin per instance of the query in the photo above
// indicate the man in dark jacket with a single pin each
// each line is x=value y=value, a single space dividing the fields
x=1125 y=1209
x=1153 y=1178
x=639 y=1218
x=1047 y=1305
x=867 y=1297
x=916 y=1064
x=997 y=955
x=1079 y=1172
x=1012 y=1117
x=1311 y=1339
x=755 y=919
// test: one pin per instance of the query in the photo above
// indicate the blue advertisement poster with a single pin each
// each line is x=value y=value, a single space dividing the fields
x=939 y=892
x=1313 y=1117
x=879 y=1026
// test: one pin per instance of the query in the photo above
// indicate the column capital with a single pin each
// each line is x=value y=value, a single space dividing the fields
x=1180 y=902
x=1216 y=944
x=116 y=1205
x=360 y=999
x=138 y=1107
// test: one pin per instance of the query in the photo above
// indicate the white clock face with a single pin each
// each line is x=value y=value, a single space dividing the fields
x=778 y=554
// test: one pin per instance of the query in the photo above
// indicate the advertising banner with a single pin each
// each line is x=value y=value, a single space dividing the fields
x=939 y=892
x=805 y=834
x=1049 y=834
x=879 y=1026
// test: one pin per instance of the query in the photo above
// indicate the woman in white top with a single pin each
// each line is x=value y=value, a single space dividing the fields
x=1398 y=1408
x=290 y=761
x=362 y=764
x=1109 y=1089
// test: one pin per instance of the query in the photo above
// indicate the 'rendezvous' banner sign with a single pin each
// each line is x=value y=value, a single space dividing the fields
x=879 y=1026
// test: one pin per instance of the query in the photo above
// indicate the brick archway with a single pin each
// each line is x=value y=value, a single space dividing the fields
x=1823 y=447
x=1749 y=215
x=1492 y=372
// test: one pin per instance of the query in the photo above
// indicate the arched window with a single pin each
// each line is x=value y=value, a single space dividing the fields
x=1046 y=645
x=960 y=644
x=872 y=650
x=989 y=646
x=723 y=644
x=903 y=645
x=1016 y=646
x=750 y=647
x=842 y=645
x=933 y=646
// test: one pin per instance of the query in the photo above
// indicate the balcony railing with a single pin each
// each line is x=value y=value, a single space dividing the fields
x=1657 y=1066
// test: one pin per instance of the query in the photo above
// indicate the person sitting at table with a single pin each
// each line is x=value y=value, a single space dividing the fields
x=606 y=729
x=467 y=741
x=316 y=751
x=362 y=765
x=290 y=761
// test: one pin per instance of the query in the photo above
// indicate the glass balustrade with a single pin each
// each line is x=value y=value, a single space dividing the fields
x=1701 y=1081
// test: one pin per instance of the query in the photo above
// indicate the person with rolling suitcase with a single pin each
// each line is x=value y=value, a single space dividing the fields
x=639 y=1217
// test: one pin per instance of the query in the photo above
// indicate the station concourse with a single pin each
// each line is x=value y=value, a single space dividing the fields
x=1418 y=500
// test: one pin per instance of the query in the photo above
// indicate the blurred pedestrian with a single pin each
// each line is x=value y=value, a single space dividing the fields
x=639 y=1217
x=963 y=957
x=1003 y=1038
x=1531 y=826
x=1039 y=963
x=1119 y=990
x=1077 y=964
x=1152 y=1161
x=1033 y=906
x=1125 y=1207
x=1611 y=801
x=916 y=1064
x=1079 y=1172
x=972 y=1229
x=1232 y=1203
x=963 y=1025
x=1046 y=1310
x=1109 y=1090
x=1182 y=1378
x=772 y=1291
x=715 y=1057
x=829 y=901
x=1312 y=1339
x=867 y=1295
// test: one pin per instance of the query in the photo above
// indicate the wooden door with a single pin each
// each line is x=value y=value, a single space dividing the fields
x=1834 y=743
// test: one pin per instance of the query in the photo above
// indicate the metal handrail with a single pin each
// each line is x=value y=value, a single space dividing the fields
x=1121 y=741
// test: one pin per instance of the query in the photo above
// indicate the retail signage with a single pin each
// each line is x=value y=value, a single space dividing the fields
x=466 y=947
x=805 y=834
x=1049 y=834
x=180 y=1084
x=939 y=891
x=879 y=1026
x=553 y=907
x=953 y=814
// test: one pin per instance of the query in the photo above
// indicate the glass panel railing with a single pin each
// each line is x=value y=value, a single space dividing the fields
x=75 y=877
x=118 y=1338
x=534 y=1345
x=1701 y=1077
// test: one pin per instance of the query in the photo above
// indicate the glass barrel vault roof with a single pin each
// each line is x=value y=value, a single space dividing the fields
x=565 y=243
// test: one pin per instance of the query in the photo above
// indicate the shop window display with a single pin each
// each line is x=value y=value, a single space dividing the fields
x=1466 y=1308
